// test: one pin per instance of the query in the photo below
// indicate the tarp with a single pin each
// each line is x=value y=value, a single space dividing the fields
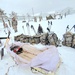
x=47 y=59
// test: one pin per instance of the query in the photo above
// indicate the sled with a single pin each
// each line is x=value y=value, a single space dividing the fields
x=37 y=58
x=43 y=71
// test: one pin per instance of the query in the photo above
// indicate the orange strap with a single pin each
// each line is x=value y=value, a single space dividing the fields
x=6 y=42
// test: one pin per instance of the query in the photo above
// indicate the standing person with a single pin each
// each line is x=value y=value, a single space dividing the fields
x=40 y=29
x=6 y=27
x=48 y=22
x=49 y=25
x=14 y=24
x=9 y=23
x=28 y=27
x=61 y=16
x=51 y=22
x=65 y=15
x=67 y=28
x=74 y=27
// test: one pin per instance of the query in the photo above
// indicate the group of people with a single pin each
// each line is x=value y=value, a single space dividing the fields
x=13 y=23
x=40 y=29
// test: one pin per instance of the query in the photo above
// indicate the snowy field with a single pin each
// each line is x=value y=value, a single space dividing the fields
x=67 y=54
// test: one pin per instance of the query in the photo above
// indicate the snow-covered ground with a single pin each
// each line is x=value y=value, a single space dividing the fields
x=67 y=54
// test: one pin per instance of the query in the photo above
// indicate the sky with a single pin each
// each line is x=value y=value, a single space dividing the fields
x=35 y=6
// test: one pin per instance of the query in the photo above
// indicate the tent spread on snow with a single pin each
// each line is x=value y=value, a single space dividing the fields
x=43 y=58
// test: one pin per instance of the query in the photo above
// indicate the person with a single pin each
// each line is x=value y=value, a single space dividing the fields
x=74 y=27
x=40 y=29
x=9 y=23
x=14 y=24
x=6 y=28
x=27 y=24
x=67 y=28
x=61 y=16
x=65 y=15
x=51 y=22
x=48 y=22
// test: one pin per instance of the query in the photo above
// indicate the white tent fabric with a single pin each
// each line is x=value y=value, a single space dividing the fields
x=48 y=59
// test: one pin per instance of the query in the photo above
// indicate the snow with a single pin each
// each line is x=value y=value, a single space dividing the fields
x=67 y=54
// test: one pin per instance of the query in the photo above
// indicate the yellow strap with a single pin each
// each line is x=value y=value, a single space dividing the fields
x=6 y=42
x=43 y=71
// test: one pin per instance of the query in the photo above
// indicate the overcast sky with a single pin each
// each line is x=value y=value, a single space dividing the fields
x=25 y=6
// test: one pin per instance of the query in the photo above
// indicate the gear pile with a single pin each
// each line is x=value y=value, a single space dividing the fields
x=44 y=38
x=69 y=39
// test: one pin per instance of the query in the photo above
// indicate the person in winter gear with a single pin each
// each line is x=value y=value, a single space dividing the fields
x=48 y=22
x=51 y=22
x=9 y=23
x=27 y=24
x=67 y=28
x=74 y=27
x=14 y=24
x=40 y=29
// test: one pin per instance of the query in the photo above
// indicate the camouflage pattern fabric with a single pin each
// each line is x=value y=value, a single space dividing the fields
x=44 y=38
x=68 y=39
